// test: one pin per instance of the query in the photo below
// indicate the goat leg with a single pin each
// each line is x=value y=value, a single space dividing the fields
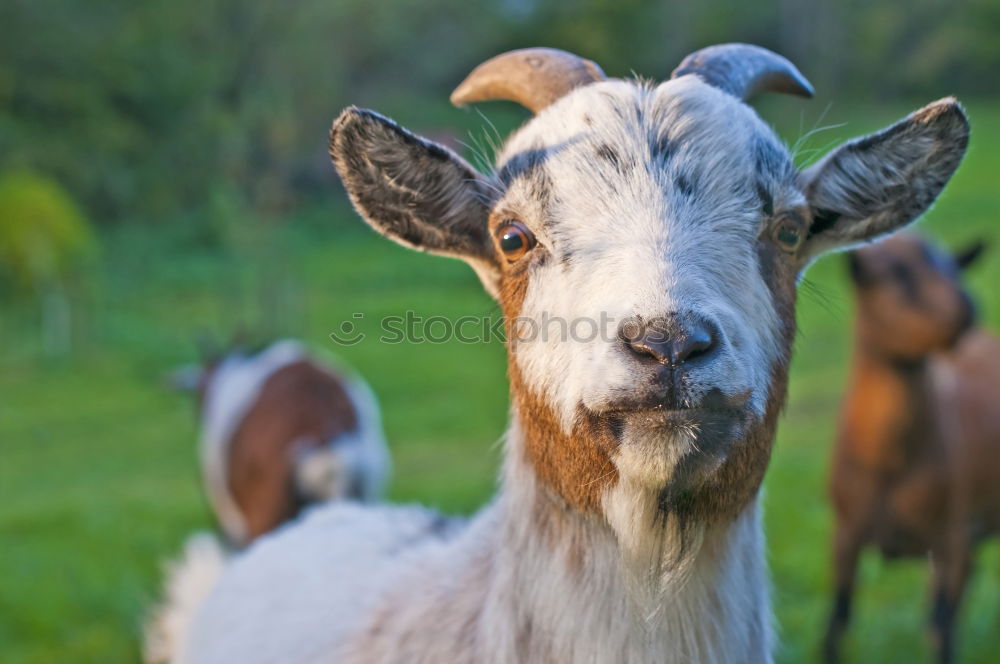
x=847 y=549
x=949 y=577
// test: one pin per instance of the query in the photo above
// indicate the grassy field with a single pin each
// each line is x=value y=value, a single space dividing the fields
x=98 y=482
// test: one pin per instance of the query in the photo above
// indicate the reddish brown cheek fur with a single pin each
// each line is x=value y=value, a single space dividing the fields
x=576 y=466
x=298 y=403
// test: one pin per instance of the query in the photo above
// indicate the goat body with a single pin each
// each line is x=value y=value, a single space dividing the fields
x=917 y=458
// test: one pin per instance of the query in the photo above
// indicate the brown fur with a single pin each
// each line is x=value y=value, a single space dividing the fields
x=577 y=466
x=299 y=404
x=917 y=459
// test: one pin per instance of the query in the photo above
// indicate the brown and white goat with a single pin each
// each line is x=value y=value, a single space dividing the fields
x=916 y=467
x=664 y=227
x=279 y=432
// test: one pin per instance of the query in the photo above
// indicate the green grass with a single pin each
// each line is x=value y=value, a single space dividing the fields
x=98 y=482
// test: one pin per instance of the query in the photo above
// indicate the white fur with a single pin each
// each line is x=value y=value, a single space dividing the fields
x=295 y=594
x=437 y=593
x=190 y=579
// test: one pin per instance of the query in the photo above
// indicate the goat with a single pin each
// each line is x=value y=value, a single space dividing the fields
x=669 y=220
x=279 y=432
x=915 y=467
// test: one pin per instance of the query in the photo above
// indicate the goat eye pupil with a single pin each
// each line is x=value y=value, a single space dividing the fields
x=789 y=235
x=512 y=241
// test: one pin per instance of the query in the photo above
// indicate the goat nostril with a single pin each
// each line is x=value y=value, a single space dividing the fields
x=692 y=347
x=673 y=340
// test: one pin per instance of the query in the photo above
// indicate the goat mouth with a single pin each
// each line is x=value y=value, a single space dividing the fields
x=713 y=404
x=709 y=427
x=696 y=417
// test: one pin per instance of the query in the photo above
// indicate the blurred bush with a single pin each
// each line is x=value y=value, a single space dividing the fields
x=45 y=244
x=44 y=237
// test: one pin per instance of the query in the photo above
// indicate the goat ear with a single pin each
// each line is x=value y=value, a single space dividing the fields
x=874 y=185
x=970 y=254
x=414 y=191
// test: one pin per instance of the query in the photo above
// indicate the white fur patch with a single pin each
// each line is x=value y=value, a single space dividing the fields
x=299 y=593
x=189 y=581
x=394 y=585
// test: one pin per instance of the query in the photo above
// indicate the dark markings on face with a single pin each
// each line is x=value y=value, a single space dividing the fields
x=684 y=185
x=528 y=168
x=766 y=200
x=524 y=164
x=773 y=167
x=727 y=491
x=629 y=113
x=770 y=161
x=566 y=258
x=904 y=277
x=616 y=424
x=661 y=148
x=608 y=154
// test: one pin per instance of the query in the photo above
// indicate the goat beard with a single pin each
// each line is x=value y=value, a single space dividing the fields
x=657 y=549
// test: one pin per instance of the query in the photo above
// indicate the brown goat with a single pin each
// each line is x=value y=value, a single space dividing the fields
x=916 y=466
x=279 y=432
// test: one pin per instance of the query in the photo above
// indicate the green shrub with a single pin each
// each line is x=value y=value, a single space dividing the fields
x=44 y=237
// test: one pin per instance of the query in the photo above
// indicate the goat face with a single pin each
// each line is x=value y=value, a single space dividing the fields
x=911 y=301
x=644 y=244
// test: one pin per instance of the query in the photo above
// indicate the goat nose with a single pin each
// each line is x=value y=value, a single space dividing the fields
x=672 y=340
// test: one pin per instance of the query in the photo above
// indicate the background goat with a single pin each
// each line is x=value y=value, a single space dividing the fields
x=627 y=526
x=279 y=432
x=916 y=467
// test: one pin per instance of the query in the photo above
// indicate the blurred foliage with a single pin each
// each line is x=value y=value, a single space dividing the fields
x=145 y=110
x=44 y=238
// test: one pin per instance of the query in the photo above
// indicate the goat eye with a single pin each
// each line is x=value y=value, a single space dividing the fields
x=515 y=240
x=788 y=235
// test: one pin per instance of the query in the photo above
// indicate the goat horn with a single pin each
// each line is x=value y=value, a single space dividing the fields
x=532 y=77
x=743 y=70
